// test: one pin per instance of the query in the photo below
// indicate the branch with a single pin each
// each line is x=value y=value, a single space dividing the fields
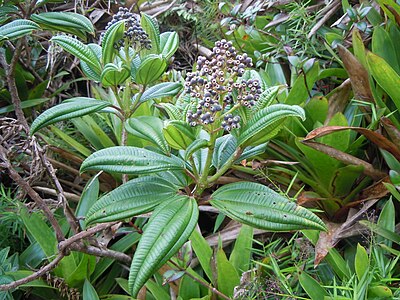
x=36 y=275
x=73 y=243
x=32 y=193
x=10 y=70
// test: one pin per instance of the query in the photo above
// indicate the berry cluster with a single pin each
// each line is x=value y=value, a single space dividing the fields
x=230 y=122
x=216 y=86
x=133 y=31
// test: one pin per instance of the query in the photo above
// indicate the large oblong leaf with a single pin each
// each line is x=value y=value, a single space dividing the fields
x=161 y=90
x=112 y=35
x=269 y=120
x=17 y=29
x=168 y=229
x=78 y=49
x=131 y=160
x=169 y=43
x=386 y=77
x=74 y=107
x=259 y=206
x=149 y=128
x=137 y=196
x=68 y=22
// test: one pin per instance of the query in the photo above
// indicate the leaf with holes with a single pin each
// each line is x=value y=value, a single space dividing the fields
x=17 y=29
x=148 y=128
x=259 y=206
x=137 y=196
x=131 y=160
x=266 y=123
x=72 y=108
x=67 y=22
x=78 y=49
x=168 y=229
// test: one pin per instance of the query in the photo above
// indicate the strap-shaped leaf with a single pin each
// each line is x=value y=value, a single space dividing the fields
x=268 y=119
x=161 y=90
x=78 y=49
x=67 y=22
x=131 y=160
x=17 y=29
x=257 y=205
x=150 y=26
x=169 y=43
x=112 y=35
x=168 y=229
x=137 y=196
x=150 y=129
x=74 y=107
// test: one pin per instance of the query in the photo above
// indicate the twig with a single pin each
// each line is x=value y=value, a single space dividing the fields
x=10 y=70
x=36 y=275
x=73 y=243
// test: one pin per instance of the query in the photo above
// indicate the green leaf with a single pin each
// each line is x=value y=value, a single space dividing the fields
x=87 y=69
x=259 y=206
x=112 y=36
x=267 y=97
x=89 y=293
x=24 y=104
x=383 y=46
x=225 y=147
x=71 y=141
x=150 y=129
x=169 y=43
x=17 y=29
x=80 y=50
x=173 y=112
x=137 y=196
x=227 y=278
x=161 y=90
x=303 y=85
x=387 y=221
x=241 y=253
x=203 y=252
x=113 y=75
x=193 y=147
x=157 y=290
x=150 y=26
x=266 y=121
x=88 y=198
x=75 y=107
x=361 y=262
x=386 y=77
x=86 y=264
x=188 y=288
x=150 y=69
x=179 y=134
x=168 y=229
x=67 y=22
x=131 y=160
x=390 y=235
x=312 y=287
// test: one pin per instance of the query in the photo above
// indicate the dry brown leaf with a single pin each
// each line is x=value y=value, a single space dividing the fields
x=338 y=100
x=346 y=158
x=391 y=130
x=358 y=75
x=377 y=138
